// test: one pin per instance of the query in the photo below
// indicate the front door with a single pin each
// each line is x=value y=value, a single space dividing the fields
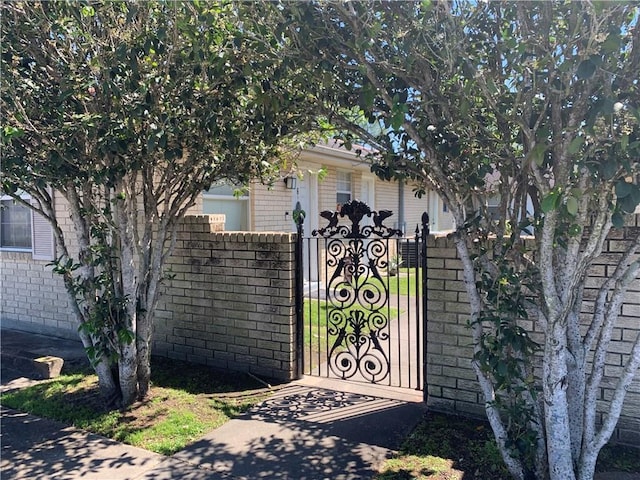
x=307 y=197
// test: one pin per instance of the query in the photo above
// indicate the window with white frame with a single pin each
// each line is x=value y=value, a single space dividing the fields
x=15 y=225
x=343 y=188
x=23 y=230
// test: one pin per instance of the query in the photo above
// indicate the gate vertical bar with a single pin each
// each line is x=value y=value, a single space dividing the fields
x=425 y=234
x=309 y=307
x=408 y=307
x=396 y=279
x=299 y=291
x=418 y=287
x=325 y=301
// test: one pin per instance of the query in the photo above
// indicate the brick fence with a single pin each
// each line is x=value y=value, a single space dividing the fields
x=230 y=303
x=452 y=384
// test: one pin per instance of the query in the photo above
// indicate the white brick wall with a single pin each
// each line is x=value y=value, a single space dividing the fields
x=32 y=297
x=451 y=381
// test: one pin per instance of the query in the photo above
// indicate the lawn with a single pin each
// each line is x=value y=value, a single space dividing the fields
x=404 y=283
x=401 y=289
x=185 y=402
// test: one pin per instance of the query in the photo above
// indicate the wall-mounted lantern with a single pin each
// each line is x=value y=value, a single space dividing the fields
x=290 y=182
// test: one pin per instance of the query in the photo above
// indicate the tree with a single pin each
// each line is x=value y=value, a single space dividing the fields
x=128 y=111
x=535 y=105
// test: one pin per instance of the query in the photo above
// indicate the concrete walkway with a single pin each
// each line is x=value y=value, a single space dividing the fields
x=307 y=430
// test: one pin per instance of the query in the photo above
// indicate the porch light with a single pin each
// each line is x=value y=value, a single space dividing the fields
x=290 y=182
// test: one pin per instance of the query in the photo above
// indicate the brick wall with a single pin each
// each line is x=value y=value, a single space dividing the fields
x=268 y=207
x=32 y=297
x=229 y=304
x=231 y=301
x=451 y=380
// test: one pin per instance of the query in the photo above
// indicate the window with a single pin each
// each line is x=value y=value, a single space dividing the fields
x=25 y=231
x=343 y=189
x=15 y=225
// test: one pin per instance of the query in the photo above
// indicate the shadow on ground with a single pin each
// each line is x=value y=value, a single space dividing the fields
x=307 y=433
x=34 y=448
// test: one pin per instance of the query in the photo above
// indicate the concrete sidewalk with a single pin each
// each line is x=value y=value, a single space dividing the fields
x=307 y=430
x=35 y=448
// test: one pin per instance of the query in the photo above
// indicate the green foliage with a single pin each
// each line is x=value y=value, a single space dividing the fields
x=129 y=110
x=434 y=119
x=182 y=77
x=530 y=108
x=446 y=446
x=506 y=352
x=106 y=319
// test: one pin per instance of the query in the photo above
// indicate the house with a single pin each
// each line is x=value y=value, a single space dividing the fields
x=327 y=177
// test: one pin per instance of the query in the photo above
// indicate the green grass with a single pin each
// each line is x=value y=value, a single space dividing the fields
x=177 y=430
x=404 y=283
x=315 y=312
x=317 y=340
x=186 y=401
x=443 y=446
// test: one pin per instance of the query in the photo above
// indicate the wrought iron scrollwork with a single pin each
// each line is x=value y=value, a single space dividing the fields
x=357 y=295
x=355 y=211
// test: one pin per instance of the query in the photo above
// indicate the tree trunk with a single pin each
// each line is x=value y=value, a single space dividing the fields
x=109 y=389
x=493 y=415
x=143 y=342
x=555 y=404
x=127 y=368
x=587 y=467
x=125 y=214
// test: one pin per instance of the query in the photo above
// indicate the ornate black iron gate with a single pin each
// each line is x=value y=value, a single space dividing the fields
x=360 y=305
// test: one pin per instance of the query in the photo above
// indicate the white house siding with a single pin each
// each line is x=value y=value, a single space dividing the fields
x=327 y=192
x=271 y=207
x=414 y=207
x=387 y=199
x=441 y=221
